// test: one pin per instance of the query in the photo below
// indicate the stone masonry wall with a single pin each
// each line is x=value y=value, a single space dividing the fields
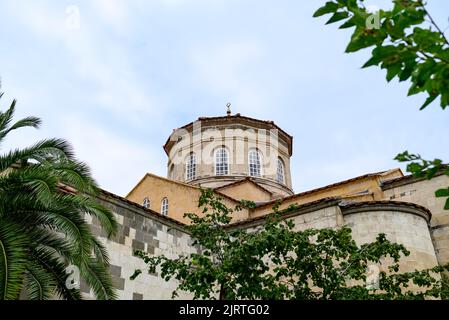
x=139 y=229
x=406 y=228
x=142 y=229
x=422 y=192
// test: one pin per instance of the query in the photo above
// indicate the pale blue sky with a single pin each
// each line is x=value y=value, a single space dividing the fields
x=134 y=70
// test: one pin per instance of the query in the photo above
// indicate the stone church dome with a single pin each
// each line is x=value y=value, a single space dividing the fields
x=212 y=152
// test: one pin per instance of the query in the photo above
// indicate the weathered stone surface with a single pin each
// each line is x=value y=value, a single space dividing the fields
x=115 y=270
x=156 y=235
x=150 y=250
x=137 y=296
x=138 y=245
x=119 y=283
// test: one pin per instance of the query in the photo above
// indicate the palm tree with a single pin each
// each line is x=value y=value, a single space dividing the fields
x=44 y=194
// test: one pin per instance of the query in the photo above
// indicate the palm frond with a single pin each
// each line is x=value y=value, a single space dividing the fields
x=76 y=230
x=53 y=240
x=56 y=267
x=33 y=180
x=33 y=122
x=39 y=284
x=88 y=206
x=40 y=152
x=75 y=174
x=100 y=252
x=42 y=225
x=98 y=278
x=13 y=259
x=6 y=117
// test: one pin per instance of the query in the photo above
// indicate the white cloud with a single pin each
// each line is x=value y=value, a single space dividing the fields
x=117 y=162
x=102 y=63
x=113 y=12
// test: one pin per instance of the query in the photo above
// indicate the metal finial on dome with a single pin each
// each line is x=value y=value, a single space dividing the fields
x=228 y=111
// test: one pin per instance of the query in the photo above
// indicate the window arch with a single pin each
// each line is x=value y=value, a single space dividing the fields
x=280 y=172
x=190 y=166
x=164 y=206
x=221 y=161
x=255 y=163
x=146 y=203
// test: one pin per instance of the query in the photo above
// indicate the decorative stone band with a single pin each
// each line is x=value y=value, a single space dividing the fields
x=400 y=206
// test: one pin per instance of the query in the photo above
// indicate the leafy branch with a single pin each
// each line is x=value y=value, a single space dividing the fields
x=274 y=261
x=403 y=45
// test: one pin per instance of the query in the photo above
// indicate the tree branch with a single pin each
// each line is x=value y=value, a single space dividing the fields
x=434 y=23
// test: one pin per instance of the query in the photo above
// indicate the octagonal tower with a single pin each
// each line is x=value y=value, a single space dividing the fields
x=216 y=151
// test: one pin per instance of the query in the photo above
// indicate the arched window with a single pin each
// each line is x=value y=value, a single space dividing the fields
x=280 y=172
x=146 y=203
x=254 y=161
x=164 y=206
x=190 y=166
x=221 y=161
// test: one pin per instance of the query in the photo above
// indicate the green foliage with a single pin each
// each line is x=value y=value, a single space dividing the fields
x=42 y=225
x=421 y=168
x=274 y=261
x=407 y=43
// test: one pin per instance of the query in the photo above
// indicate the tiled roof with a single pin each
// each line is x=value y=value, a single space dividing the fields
x=325 y=187
x=246 y=179
x=234 y=117
x=178 y=183
x=330 y=201
x=140 y=207
x=407 y=179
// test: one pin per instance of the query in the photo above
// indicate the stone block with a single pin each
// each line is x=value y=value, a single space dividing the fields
x=115 y=270
x=150 y=249
x=138 y=245
x=119 y=283
x=137 y=296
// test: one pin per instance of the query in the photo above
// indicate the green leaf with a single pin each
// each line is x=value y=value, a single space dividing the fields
x=444 y=100
x=329 y=7
x=429 y=100
x=393 y=70
x=13 y=259
x=348 y=24
x=406 y=73
x=442 y=193
x=337 y=16
x=446 y=205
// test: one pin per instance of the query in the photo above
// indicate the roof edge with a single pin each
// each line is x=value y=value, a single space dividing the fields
x=365 y=176
x=288 y=213
x=408 y=179
x=249 y=179
x=236 y=116
x=106 y=196
x=350 y=207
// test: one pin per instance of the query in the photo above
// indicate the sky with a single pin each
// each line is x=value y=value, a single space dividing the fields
x=116 y=77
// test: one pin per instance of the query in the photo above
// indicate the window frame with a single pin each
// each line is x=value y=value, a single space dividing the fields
x=190 y=162
x=280 y=167
x=146 y=203
x=251 y=164
x=164 y=206
x=221 y=163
